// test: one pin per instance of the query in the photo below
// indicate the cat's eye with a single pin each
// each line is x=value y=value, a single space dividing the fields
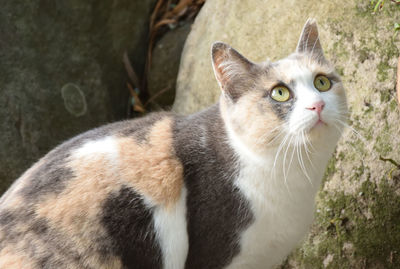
x=322 y=83
x=280 y=94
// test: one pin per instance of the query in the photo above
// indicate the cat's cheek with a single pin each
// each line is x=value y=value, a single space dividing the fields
x=337 y=95
x=251 y=120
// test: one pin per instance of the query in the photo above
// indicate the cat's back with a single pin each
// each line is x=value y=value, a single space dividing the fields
x=69 y=210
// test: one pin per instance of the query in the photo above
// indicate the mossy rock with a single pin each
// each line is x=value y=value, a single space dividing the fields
x=357 y=221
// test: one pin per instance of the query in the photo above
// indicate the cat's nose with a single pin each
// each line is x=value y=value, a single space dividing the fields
x=317 y=107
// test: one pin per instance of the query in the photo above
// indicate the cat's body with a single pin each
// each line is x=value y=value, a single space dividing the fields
x=217 y=189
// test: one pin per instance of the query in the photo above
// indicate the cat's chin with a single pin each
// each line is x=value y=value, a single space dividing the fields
x=323 y=132
x=318 y=125
x=318 y=129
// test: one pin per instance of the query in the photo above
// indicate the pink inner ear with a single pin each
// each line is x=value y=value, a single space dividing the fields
x=309 y=39
x=312 y=39
x=219 y=70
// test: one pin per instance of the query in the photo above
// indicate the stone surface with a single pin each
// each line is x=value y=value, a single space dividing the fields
x=165 y=66
x=359 y=205
x=62 y=73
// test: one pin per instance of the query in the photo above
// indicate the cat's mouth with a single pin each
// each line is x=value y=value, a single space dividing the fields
x=309 y=125
x=318 y=124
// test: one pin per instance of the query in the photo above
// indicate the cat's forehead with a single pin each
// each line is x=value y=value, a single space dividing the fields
x=297 y=67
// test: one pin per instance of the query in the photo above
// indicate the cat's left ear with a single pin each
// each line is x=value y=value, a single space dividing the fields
x=230 y=68
x=309 y=40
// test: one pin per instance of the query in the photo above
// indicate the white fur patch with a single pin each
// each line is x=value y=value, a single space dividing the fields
x=171 y=230
x=282 y=212
x=283 y=209
x=106 y=146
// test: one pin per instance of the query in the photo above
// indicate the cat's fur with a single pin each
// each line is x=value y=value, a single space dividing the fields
x=232 y=186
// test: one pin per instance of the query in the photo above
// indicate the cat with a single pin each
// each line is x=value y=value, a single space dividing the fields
x=232 y=186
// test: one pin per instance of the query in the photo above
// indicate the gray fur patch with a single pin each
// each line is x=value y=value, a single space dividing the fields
x=130 y=229
x=282 y=109
x=217 y=212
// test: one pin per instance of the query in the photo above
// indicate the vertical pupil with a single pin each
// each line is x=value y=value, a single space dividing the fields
x=321 y=81
x=280 y=92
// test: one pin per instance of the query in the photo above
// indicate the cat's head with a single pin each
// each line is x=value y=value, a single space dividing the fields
x=299 y=99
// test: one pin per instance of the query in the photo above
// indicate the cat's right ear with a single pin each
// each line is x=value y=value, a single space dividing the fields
x=228 y=65
x=309 y=40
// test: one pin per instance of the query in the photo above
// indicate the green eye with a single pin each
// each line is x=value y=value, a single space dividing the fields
x=280 y=94
x=322 y=83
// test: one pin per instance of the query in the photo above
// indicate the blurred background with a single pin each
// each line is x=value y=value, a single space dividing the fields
x=69 y=66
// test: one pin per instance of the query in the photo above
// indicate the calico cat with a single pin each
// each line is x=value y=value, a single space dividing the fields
x=232 y=186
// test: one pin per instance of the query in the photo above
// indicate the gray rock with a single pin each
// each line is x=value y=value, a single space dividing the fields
x=62 y=73
x=165 y=66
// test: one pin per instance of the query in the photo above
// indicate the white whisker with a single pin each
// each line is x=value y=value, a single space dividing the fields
x=301 y=161
x=308 y=152
x=280 y=147
x=354 y=131
x=284 y=164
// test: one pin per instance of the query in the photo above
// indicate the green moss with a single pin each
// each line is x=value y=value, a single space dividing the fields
x=382 y=73
x=359 y=171
x=368 y=136
x=364 y=10
x=382 y=144
x=368 y=109
x=363 y=54
x=393 y=105
x=378 y=240
x=387 y=50
x=330 y=169
x=340 y=70
x=339 y=47
x=368 y=221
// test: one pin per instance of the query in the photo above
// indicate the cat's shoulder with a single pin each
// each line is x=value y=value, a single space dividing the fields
x=135 y=142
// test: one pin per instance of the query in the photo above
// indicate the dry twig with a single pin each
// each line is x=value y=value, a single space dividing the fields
x=137 y=104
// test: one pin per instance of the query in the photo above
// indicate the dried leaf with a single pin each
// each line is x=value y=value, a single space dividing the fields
x=137 y=104
x=129 y=69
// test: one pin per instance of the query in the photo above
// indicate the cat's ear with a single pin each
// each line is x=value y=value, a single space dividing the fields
x=229 y=65
x=309 y=40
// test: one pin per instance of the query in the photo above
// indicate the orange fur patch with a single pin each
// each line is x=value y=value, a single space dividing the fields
x=152 y=168
x=75 y=212
x=263 y=126
x=10 y=259
x=94 y=180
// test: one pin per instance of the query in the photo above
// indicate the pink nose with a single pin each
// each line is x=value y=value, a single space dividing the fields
x=317 y=107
